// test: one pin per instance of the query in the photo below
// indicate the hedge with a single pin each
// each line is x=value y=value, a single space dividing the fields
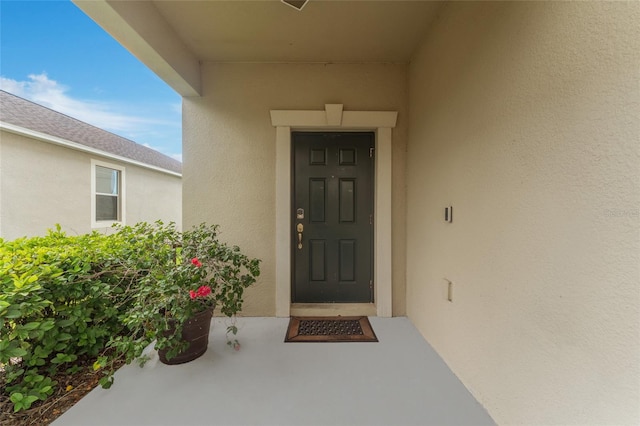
x=62 y=298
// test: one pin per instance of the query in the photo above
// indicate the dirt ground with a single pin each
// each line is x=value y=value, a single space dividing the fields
x=69 y=390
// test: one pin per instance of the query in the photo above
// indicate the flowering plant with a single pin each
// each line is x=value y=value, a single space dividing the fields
x=201 y=298
x=179 y=274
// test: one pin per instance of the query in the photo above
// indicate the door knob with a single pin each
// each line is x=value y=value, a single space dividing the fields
x=300 y=229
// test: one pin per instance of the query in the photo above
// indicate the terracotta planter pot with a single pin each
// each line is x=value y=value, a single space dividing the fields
x=196 y=332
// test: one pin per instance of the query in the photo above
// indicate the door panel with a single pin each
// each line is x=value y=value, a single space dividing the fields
x=333 y=186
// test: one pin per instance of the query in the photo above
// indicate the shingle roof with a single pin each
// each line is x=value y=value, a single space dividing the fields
x=21 y=112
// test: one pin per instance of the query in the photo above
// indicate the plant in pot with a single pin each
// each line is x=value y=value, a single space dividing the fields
x=182 y=278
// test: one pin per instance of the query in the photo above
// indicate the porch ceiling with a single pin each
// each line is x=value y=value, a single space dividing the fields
x=324 y=31
x=173 y=37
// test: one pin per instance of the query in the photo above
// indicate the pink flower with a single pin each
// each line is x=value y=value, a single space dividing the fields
x=196 y=262
x=204 y=290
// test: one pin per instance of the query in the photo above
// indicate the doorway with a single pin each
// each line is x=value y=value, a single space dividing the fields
x=334 y=118
x=333 y=217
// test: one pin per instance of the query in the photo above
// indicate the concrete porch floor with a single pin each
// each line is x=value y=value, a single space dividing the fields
x=398 y=381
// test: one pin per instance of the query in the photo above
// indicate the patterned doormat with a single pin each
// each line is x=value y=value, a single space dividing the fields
x=330 y=329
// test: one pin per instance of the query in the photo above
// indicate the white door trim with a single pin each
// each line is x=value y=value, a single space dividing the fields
x=334 y=118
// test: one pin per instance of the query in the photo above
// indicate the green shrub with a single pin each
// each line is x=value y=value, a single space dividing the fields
x=70 y=300
x=61 y=298
x=174 y=267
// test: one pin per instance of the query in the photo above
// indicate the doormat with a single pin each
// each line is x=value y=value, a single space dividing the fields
x=330 y=329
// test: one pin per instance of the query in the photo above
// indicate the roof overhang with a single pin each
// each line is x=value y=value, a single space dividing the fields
x=174 y=37
x=43 y=137
x=141 y=29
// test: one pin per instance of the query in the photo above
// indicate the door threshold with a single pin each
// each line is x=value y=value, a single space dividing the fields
x=332 y=309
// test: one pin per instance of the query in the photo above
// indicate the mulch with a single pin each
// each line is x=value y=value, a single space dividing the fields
x=69 y=390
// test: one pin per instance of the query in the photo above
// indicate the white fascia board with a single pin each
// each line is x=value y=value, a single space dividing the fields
x=43 y=137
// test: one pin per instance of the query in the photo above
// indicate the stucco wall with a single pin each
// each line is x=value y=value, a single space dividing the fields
x=152 y=195
x=42 y=184
x=525 y=118
x=229 y=151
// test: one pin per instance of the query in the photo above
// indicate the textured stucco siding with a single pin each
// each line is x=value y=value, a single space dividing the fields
x=229 y=155
x=42 y=184
x=525 y=118
x=152 y=195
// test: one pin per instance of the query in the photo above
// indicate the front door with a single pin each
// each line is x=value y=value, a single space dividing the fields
x=333 y=217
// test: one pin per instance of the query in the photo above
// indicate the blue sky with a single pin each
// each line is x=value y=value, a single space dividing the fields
x=53 y=54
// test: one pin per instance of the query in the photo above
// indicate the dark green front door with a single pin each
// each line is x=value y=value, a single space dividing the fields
x=333 y=217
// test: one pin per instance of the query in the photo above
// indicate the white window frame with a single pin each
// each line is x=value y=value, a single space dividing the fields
x=121 y=194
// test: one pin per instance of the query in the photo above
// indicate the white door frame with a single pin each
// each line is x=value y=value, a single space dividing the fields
x=334 y=118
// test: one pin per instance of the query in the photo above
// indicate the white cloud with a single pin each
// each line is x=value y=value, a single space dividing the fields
x=51 y=94
x=39 y=88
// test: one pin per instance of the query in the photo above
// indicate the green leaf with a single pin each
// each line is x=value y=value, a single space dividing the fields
x=31 y=325
x=16 y=397
x=15 y=352
x=106 y=382
x=47 y=325
x=22 y=402
x=63 y=337
x=34 y=378
x=13 y=312
x=65 y=323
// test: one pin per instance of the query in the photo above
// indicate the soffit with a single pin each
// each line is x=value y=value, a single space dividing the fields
x=324 y=31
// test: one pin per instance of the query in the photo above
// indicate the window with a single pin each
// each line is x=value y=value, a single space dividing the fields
x=108 y=194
